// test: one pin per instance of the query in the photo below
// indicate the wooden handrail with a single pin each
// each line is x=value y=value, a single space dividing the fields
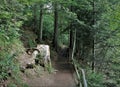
x=77 y=68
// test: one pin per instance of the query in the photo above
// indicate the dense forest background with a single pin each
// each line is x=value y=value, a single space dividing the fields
x=89 y=29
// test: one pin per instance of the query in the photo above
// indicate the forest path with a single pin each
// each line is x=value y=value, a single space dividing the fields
x=62 y=78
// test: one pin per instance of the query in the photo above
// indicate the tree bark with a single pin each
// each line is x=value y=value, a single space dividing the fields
x=55 y=38
x=41 y=24
x=93 y=42
x=93 y=61
x=35 y=18
x=71 y=36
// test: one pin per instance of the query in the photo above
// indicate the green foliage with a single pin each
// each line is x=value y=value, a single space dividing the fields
x=12 y=85
x=15 y=85
x=48 y=30
x=63 y=39
x=97 y=24
x=6 y=65
x=94 y=79
x=10 y=45
x=31 y=43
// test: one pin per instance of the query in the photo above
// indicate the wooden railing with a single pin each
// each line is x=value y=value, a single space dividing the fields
x=78 y=69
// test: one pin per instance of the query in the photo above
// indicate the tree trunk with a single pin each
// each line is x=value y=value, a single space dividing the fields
x=41 y=24
x=71 y=42
x=55 y=38
x=93 y=39
x=35 y=19
x=93 y=53
x=70 y=37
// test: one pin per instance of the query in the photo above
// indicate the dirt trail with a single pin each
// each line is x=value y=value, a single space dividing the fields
x=62 y=78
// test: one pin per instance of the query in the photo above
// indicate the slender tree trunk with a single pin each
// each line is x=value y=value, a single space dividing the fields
x=35 y=18
x=41 y=24
x=55 y=38
x=70 y=37
x=93 y=42
x=74 y=45
x=71 y=42
x=93 y=61
x=71 y=32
